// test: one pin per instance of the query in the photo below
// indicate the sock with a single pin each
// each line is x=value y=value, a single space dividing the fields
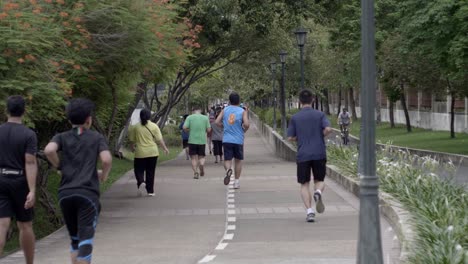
x=318 y=191
x=236 y=180
x=310 y=211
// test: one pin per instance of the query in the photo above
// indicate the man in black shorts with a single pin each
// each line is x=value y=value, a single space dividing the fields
x=309 y=127
x=198 y=125
x=79 y=193
x=18 y=171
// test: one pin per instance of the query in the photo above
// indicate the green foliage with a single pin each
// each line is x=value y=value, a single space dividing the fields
x=439 y=208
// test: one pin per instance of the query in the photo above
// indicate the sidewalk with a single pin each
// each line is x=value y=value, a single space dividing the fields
x=192 y=221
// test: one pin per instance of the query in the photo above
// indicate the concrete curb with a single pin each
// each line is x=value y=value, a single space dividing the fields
x=391 y=209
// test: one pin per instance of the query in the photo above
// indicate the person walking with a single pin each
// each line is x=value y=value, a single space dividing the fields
x=309 y=128
x=78 y=192
x=18 y=172
x=144 y=136
x=198 y=126
x=217 y=137
x=235 y=121
x=185 y=137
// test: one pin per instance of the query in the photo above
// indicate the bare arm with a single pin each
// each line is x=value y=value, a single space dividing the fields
x=219 y=120
x=292 y=138
x=245 y=121
x=327 y=131
x=106 y=163
x=31 y=175
x=51 y=153
x=163 y=145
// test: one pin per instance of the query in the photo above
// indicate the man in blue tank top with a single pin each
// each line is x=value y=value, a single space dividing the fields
x=235 y=121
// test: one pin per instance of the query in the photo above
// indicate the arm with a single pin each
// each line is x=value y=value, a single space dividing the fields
x=208 y=127
x=51 y=153
x=31 y=175
x=106 y=163
x=186 y=126
x=292 y=136
x=163 y=145
x=245 y=121
x=219 y=120
x=327 y=131
x=159 y=138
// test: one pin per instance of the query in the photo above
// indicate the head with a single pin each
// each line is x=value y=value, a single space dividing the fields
x=79 y=112
x=345 y=110
x=305 y=97
x=184 y=116
x=16 y=106
x=234 y=98
x=196 y=108
x=145 y=115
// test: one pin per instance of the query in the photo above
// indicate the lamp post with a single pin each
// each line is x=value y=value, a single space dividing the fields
x=370 y=244
x=282 y=55
x=301 y=35
x=273 y=77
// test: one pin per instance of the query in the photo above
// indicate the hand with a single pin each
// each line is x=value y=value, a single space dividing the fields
x=30 y=200
x=101 y=176
x=166 y=151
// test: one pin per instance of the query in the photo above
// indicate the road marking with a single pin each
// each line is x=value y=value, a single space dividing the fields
x=228 y=236
x=207 y=259
x=231 y=195
x=221 y=246
x=231 y=219
x=231 y=200
x=231 y=206
x=231 y=227
x=231 y=212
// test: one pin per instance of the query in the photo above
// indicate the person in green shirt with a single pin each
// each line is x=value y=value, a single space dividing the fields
x=198 y=125
x=144 y=136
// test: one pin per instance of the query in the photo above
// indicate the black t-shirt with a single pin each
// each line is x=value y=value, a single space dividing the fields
x=15 y=141
x=79 y=156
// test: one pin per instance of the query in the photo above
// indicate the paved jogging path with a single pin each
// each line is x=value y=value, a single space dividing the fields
x=202 y=221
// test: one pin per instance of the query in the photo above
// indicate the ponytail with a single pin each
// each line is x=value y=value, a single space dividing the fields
x=145 y=115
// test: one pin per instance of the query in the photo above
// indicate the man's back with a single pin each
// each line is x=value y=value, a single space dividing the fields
x=308 y=125
x=232 y=122
x=79 y=155
x=15 y=141
x=197 y=124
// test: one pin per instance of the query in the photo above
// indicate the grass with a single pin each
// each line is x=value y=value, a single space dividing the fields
x=439 y=209
x=44 y=227
x=420 y=138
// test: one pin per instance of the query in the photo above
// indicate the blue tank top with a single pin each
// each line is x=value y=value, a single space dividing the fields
x=232 y=122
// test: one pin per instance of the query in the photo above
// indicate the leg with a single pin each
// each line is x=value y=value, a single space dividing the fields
x=150 y=171
x=319 y=170
x=139 y=169
x=87 y=221
x=201 y=159
x=306 y=195
x=237 y=168
x=69 y=213
x=27 y=240
x=4 y=226
x=194 y=159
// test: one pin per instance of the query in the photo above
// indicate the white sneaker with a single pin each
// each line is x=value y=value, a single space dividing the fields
x=236 y=185
x=141 y=189
x=151 y=194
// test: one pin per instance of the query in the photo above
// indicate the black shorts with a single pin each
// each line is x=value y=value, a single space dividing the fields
x=13 y=192
x=195 y=149
x=318 y=167
x=235 y=151
x=184 y=143
x=80 y=209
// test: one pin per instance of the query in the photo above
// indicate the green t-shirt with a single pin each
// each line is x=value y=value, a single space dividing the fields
x=197 y=123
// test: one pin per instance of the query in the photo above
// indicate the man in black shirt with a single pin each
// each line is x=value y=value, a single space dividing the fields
x=18 y=171
x=78 y=194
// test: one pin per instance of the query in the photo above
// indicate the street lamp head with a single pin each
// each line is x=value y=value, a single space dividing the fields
x=301 y=35
x=273 y=65
x=282 y=55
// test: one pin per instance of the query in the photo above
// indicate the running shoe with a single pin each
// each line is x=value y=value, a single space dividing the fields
x=236 y=185
x=195 y=175
x=319 y=202
x=151 y=194
x=141 y=189
x=227 y=178
x=310 y=217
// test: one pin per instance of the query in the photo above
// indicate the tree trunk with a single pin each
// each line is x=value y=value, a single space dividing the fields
x=346 y=99
x=353 y=104
x=326 y=102
x=321 y=104
x=452 y=116
x=339 y=103
x=391 y=114
x=378 y=105
x=405 y=108
x=316 y=102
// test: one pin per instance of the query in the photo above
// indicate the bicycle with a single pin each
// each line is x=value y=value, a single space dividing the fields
x=345 y=134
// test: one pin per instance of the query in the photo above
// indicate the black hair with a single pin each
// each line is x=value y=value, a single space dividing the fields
x=185 y=116
x=196 y=107
x=234 y=98
x=305 y=96
x=16 y=105
x=78 y=110
x=345 y=110
x=145 y=115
